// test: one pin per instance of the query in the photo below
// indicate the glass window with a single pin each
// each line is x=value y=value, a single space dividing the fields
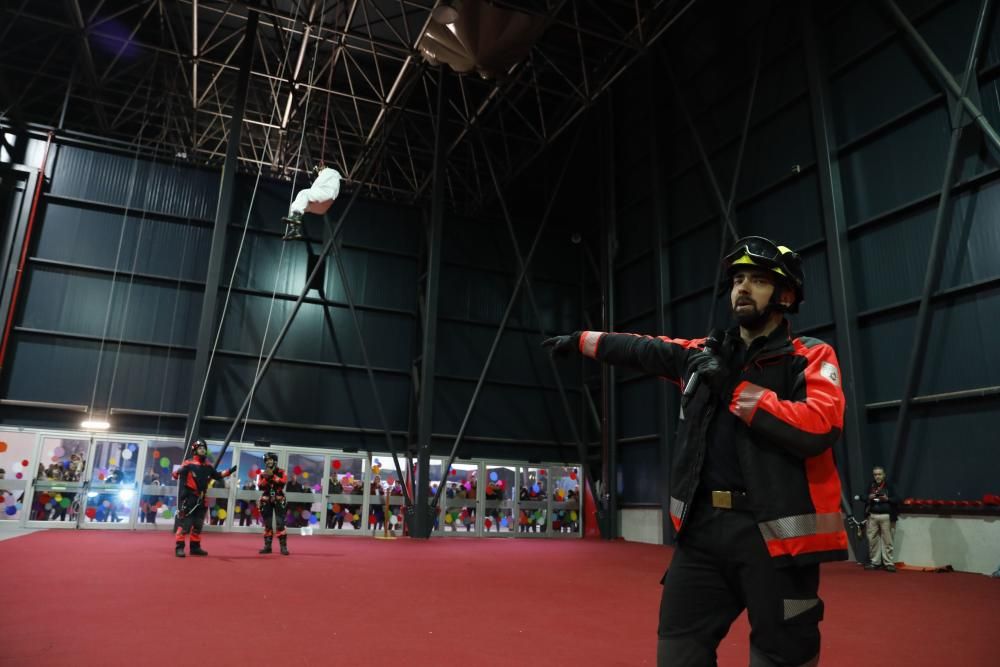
x=17 y=450
x=111 y=488
x=532 y=503
x=499 y=500
x=59 y=479
x=158 y=501
x=304 y=489
x=460 y=498
x=344 y=493
x=565 y=500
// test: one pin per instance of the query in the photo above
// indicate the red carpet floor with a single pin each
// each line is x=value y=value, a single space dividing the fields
x=106 y=598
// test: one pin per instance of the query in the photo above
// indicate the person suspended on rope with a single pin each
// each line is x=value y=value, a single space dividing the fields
x=192 y=504
x=271 y=483
x=316 y=199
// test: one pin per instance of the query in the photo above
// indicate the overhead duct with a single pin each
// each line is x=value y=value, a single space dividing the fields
x=474 y=35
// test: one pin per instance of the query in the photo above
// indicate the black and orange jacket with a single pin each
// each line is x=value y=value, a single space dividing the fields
x=195 y=474
x=790 y=406
x=272 y=486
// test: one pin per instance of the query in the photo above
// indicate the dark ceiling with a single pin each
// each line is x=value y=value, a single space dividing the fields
x=337 y=80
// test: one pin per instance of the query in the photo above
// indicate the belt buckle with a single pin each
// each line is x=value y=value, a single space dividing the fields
x=722 y=499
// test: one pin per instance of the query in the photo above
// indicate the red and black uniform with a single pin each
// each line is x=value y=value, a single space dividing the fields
x=273 y=503
x=764 y=442
x=194 y=476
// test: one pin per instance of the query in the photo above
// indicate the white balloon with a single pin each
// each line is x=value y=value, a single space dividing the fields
x=127 y=454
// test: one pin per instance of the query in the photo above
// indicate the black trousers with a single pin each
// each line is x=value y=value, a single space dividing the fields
x=277 y=510
x=721 y=567
x=192 y=523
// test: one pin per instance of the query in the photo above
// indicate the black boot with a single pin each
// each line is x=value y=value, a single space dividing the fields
x=293 y=227
x=267 y=545
x=196 y=549
x=283 y=541
x=179 y=549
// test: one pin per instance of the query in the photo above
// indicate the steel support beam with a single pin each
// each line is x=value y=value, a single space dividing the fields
x=845 y=314
x=935 y=261
x=423 y=517
x=223 y=210
x=506 y=316
x=609 y=394
x=666 y=399
x=581 y=447
x=947 y=80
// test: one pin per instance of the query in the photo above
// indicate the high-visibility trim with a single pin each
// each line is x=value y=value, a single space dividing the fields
x=793 y=608
x=833 y=543
x=746 y=398
x=588 y=343
x=801 y=525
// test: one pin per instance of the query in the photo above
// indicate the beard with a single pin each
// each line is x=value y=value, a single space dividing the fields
x=753 y=319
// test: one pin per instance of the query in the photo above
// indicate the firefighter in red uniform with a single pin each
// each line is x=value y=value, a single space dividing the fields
x=271 y=483
x=754 y=490
x=192 y=504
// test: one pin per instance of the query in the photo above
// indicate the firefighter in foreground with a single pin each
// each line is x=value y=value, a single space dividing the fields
x=755 y=494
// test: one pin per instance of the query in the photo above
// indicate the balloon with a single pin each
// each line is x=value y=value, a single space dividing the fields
x=454 y=472
x=10 y=510
x=222 y=513
x=238 y=509
x=164 y=462
x=336 y=464
x=572 y=475
x=503 y=522
x=297 y=470
x=572 y=515
x=541 y=472
x=376 y=469
x=493 y=476
x=336 y=508
x=535 y=488
x=167 y=514
x=132 y=446
x=58 y=451
x=306 y=514
x=371 y=520
x=91 y=512
x=305 y=475
x=127 y=454
x=64 y=502
x=112 y=462
x=19 y=475
x=156 y=453
x=394 y=519
x=487 y=523
x=313 y=519
x=447 y=518
x=24 y=463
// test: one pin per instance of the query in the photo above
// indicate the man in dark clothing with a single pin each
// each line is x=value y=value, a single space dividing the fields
x=755 y=494
x=880 y=516
x=192 y=504
x=271 y=483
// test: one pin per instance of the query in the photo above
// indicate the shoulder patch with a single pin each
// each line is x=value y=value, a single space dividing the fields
x=829 y=371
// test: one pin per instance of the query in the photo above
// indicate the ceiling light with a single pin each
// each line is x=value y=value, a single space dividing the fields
x=95 y=424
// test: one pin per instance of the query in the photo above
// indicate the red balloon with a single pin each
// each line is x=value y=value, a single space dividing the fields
x=91 y=512
x=454 y=472
x=572 y=475
x=487 y=523
x=541 y=472
x=24 y=463
x=371 y=520
x=297 y=470
x=336 y=464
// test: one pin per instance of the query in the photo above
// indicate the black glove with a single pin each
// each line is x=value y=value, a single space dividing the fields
x=232 y=470
x=563 y=345
x=711 y=372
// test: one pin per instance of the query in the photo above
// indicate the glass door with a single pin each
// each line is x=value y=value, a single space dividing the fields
x=219 y=492
x=246 y=515
x=17 y=452
x=59 y=481
x=111 y=485
x=566 y=509
x=158 y=499
x=498 y=507
x=305 y=491
x=532 y=502
x=345 y=493
x=460 y=501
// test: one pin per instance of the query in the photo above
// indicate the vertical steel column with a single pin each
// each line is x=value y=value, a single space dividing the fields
x=25 y=194
x=609 y=413
x=666 y=400
x=209 y=317
x=838 y=256
x=936 y=260
x=423 y=521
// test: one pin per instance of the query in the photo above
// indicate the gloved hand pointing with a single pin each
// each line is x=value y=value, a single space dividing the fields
x=561 y=346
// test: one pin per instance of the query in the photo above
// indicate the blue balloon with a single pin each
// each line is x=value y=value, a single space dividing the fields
x=10 y=510
x=535 y=488
x=493 y=476
x=313 y=519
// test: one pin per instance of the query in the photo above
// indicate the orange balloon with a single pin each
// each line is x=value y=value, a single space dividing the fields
x=3 y=446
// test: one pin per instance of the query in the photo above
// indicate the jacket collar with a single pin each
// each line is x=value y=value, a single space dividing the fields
x=777 y=342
